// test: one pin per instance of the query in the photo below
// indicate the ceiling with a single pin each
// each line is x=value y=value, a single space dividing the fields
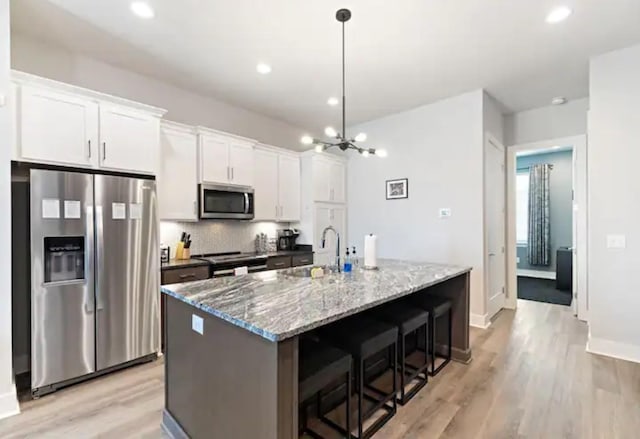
x=400 y=54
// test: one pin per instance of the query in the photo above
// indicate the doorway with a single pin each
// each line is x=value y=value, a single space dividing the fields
x=547 y=234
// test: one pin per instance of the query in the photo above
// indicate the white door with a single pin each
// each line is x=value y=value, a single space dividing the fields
x=214 y=160
x=337 y=182
x=57 y=128
x=289 y=188
x=321 y=169
x=338 y=219
x=241 y=164
x=265 y=185
x=495 y=224
x=129 y=140
x=177 y=178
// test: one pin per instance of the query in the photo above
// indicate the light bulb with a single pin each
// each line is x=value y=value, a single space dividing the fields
x=142 y=10
x=365 y=153
x=333 y=101
x=559 y=14
x=362 y=137
x=330 y=132
x=306 y=140
x=319 y=148
x=381 y=152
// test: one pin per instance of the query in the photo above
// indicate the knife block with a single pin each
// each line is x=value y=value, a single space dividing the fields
x=181 y=252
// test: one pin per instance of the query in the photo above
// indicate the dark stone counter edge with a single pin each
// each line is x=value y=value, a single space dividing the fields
x=311 y=325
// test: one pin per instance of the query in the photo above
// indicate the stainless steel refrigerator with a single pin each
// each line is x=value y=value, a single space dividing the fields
x=95 y=275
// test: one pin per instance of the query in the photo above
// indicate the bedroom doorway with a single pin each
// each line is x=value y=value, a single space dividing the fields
x=547 y=234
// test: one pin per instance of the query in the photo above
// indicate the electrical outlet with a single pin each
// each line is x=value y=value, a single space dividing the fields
x=445 y=212
x=197 y=324
x=616 y=241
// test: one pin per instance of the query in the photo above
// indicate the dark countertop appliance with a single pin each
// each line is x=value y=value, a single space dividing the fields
x=287 y=239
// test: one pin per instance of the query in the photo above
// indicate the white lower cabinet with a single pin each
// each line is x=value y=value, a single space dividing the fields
x=177 y=183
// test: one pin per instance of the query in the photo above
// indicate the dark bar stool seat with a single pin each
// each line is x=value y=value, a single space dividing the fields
x=437 y=307
x=318 y=366
x=364 y=337
x=409 y=319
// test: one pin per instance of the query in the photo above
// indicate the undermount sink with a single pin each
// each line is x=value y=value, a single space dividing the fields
x=305 y=272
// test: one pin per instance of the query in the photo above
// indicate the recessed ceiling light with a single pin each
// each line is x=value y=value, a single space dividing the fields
x=142 y=10
x=559 y=100
x=333 y=101
x=559 y=14
x=263 y=68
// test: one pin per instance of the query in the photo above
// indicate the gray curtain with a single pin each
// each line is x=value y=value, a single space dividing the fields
x=539 y=226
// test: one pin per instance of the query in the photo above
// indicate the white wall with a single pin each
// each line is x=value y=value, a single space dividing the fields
x=36 y=57
x=8 y=402
x=614 y=204
x=547 y=123
x=439 y=148
x=493 y=119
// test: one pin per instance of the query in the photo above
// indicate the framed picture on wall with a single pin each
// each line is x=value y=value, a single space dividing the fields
x=397 y=189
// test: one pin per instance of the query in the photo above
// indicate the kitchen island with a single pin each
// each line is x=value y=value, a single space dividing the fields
x=231 y=348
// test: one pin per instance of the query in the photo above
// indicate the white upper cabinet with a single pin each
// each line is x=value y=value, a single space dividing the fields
x=214 y=160
x=276 y=184
x=56 y=127
x=225 y=159
x=62 y=124
x=337 y=182
x=329 y=177
x=129 y=140
x=266 y=185
x=177 y=178
x=289 y=187
x=241 y=163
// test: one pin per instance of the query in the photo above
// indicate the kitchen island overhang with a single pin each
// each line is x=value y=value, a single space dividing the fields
x=232 y=344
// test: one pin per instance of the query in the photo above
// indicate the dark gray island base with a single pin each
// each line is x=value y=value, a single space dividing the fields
x=234 y=374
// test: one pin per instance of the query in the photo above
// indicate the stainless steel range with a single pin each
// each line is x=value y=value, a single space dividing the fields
x=225 y=264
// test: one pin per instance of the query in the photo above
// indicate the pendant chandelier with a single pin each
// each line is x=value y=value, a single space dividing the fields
x=338 y=139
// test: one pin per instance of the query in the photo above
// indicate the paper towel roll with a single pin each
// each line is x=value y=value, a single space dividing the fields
x=370 y=251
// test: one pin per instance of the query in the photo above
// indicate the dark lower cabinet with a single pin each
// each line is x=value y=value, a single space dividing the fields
x=564 y=269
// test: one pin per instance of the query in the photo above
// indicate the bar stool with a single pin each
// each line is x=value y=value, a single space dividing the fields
x=437 y=307
x=364 y=337
x=409 y=319
x=318 y=366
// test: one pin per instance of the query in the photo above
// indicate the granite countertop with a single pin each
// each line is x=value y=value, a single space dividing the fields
x=182 y=263
x=278 y=304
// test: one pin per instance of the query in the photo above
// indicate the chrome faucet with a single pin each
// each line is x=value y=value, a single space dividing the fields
x=324 y=237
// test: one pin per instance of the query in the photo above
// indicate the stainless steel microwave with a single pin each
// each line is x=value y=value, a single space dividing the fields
x=225 y=202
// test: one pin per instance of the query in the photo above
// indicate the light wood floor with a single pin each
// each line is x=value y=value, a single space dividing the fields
x=530 y=378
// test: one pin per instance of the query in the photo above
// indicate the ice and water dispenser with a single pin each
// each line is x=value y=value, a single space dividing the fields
x=64 y=258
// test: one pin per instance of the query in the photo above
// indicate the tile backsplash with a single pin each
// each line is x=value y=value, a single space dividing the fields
x=217 y=236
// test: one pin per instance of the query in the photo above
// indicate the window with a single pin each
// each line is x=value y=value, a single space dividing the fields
x=522 y=207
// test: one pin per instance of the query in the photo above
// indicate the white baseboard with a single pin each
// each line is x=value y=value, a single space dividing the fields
x=537 y=274
x=614 y=349
x=9 y=404
x=481 y=321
